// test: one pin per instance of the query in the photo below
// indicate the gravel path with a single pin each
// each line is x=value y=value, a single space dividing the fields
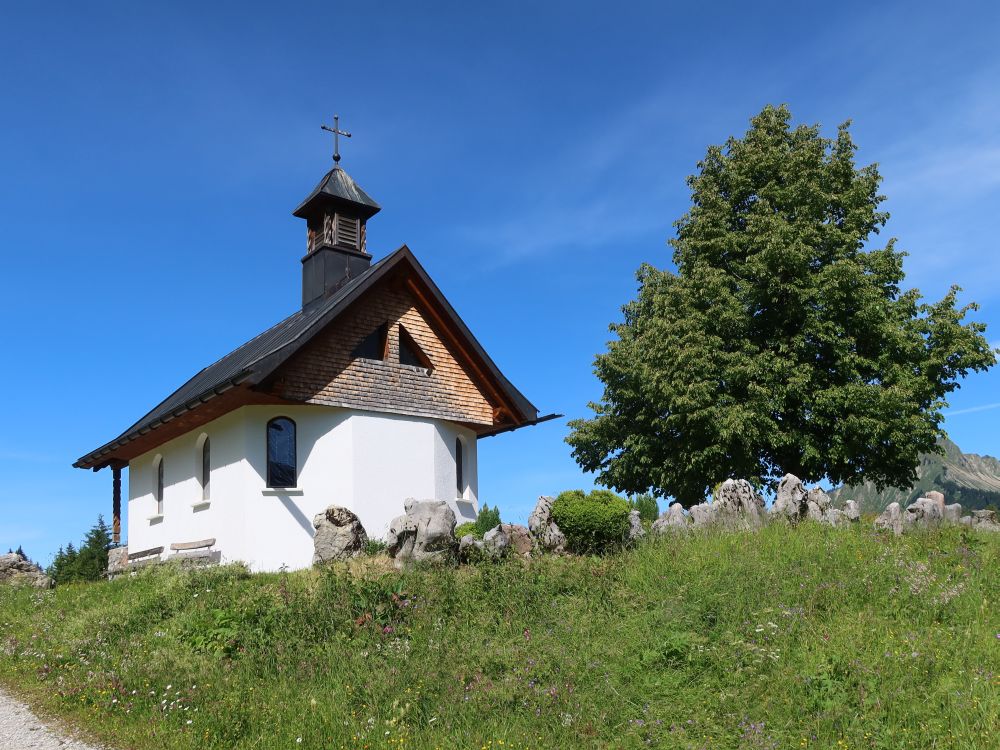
x=20 y=729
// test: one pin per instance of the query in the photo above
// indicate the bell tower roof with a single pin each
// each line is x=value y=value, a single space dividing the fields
x=338 y=188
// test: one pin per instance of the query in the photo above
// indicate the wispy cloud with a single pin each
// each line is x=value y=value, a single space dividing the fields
x=973 y=409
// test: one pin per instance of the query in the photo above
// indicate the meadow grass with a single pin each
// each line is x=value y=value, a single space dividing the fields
x=785 y=638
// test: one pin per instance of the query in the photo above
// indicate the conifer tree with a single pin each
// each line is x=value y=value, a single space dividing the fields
x=784 y=341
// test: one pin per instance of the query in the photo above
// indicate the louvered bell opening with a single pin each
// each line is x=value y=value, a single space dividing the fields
x=348 y=231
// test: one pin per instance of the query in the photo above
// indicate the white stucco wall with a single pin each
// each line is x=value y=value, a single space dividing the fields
x=366 y=461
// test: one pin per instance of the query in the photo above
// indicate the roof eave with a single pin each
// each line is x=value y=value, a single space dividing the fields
x=104 y=456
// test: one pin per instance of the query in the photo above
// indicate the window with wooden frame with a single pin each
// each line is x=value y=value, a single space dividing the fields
x=375 y=345
x=410 y=352
x=282 y=464
x=459 y=467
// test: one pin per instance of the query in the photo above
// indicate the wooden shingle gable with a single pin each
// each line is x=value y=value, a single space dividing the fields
x=442 y=385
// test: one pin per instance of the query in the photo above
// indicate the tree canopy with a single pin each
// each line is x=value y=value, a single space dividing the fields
x=783 y=342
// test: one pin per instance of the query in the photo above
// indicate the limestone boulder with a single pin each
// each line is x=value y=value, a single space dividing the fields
x=339 y=535
x=702 y=514
x=496 y=543
x=117 y=561
x=790 y=500
x=835 y=517
x=635 y=531
x=522 y=543
x=924 y=512
x=817 y=505
x=852 y=510
x=673 y=518
x=938 y=499
x=891 y=519
x=737 y=502
x=953 y=512
x=984 y=520
x=425 y=532
x=18 y=570
x=544 y=529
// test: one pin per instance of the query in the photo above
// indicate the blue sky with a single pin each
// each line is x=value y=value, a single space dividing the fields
x=531 y=155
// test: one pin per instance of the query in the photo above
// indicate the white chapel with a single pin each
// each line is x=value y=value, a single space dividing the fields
x=373 y=391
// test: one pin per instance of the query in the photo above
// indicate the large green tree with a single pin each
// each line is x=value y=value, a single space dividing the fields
x=784 y=341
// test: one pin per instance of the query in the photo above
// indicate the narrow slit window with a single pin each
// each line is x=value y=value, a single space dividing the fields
x=459 y=467
x=410 y=352
x=206 y=469
x=281 y=454
x=158 y=484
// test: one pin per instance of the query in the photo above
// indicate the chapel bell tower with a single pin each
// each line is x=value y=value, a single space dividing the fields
x=336 y=212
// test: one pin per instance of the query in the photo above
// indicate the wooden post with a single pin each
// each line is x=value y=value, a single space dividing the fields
x=116 y=505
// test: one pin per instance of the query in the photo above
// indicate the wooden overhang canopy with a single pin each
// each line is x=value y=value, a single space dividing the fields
x=241 y=377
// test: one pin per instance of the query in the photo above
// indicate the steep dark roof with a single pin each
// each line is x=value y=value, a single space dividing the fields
x=337 y=185
x=258 y=358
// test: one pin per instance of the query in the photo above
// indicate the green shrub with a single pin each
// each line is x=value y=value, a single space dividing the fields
x=649 y=509
x=594 y=523
x=374 y=547
x=487 y=519
x=468 y=528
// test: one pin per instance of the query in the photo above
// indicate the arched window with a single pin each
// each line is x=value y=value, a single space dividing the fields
x=459 y=467
x=206 y=468
x=281 y=463
x=158 y=484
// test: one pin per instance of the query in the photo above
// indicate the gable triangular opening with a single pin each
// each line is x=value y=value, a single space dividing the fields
x=375 y=345
x=410 y=352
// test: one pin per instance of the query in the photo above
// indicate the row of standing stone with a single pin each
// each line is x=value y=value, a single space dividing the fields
x=426 y=530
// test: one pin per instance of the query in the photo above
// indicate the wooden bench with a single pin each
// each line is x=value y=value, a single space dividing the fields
x=144 y=557
x=200 y=550
x=141 y=555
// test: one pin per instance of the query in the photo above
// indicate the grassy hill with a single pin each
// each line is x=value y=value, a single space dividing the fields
x=788 y=638
x=966 y=478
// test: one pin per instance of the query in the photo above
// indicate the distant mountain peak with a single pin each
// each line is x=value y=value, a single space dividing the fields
x=966 y=478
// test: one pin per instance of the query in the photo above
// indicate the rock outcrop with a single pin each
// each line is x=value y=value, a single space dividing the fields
x=426 y=531
x=544 y=529
x=953 y=512
x=891 y=519
x=18 y=570
x=117 y=561
x=794 y=503
x=924 y=512
x=790 y=500
x=818 y=506
x=983 y=520
x=635 y=531
x=522 y=543
x=339 y=535
x=736 y=503
x=496 y=544
x=673 y=518
x=702 y=514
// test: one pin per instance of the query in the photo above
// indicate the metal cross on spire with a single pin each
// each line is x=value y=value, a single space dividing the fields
x=337 y=132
